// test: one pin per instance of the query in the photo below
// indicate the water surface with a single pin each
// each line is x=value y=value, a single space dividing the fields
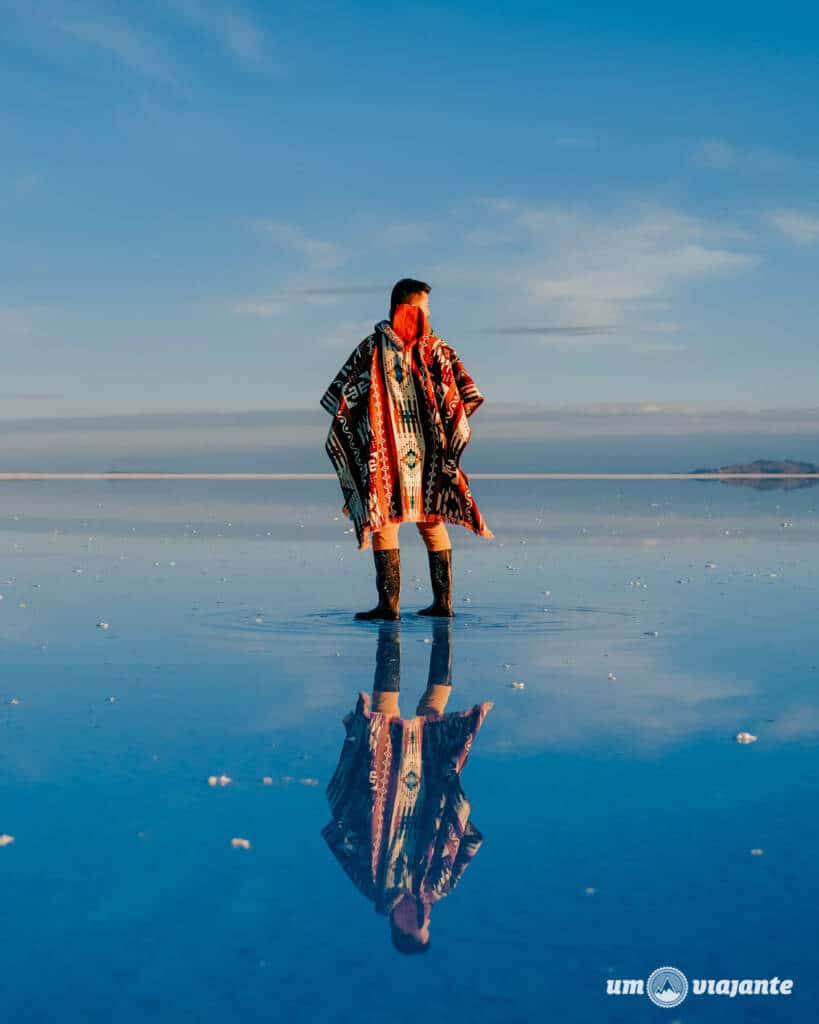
x=649 y=622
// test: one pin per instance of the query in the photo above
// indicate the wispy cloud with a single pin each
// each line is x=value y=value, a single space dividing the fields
x=611 y=269
x=719 y=155
x=504 y=421
x=319 y=253
x=131 y=47
x=348 y=289
x=570 y=331
x=798 y=226
x=565 y=277
x=237 y=32
x=574 y=338
x=279 y=302
x=258 y=307
x=15 y=323
x=513 y=421
x=347 y=335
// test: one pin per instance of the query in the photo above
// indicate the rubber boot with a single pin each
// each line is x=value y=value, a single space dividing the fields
x=440 y=574
x=388 y=584
x=439 y=678
x=387 y=680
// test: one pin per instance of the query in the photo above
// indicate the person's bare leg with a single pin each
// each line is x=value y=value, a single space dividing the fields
x=439 y=555
x=387 y=560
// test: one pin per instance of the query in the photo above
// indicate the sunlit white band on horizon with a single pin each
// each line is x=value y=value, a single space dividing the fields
x=472 y=476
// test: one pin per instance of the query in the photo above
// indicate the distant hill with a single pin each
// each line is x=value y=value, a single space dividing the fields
x=768 y=466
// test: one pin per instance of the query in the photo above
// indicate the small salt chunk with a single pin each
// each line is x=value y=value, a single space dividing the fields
x=757 y=851
x=612 y=677
x=240 y=844
x=746 y=737
x=219 y=780
x=6 y=840
x=518 y=685
x=267 y=780
x=103 y=625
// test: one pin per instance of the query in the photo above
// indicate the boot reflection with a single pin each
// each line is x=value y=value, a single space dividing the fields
x=401 y=826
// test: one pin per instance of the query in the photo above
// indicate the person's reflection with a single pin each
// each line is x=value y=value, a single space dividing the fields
x=401 y=828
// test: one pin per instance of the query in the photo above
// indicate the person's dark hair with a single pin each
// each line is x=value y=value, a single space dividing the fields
x=403 y=289
x=408 y=944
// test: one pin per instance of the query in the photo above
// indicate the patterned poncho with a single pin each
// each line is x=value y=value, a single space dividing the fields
x=400 y=426
x=400 y=819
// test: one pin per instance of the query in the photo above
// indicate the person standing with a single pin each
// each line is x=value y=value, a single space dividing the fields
x=400 y=407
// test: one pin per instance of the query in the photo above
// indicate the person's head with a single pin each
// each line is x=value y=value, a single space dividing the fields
x=412 y=292
x=409 y=925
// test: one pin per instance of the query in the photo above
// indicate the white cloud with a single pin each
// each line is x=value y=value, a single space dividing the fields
x=577 y=338
x=405 y=234
x=232 y=26
x=346 y=336
x=613 y=269
x=319 y=253
x=243 y=39
x=796 y=225
x=258 y=307
x=719 y=155
x=614 y=277
x=131 y=47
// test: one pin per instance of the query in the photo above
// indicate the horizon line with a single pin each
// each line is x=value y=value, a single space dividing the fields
x=472 y=476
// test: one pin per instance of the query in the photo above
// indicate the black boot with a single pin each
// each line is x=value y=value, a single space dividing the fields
x=440 y=574
x=388 y=584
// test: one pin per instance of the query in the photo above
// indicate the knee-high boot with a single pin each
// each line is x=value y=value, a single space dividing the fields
x=440 y=574
x=388 y=585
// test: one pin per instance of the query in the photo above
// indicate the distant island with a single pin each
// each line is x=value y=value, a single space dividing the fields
x=782 y=467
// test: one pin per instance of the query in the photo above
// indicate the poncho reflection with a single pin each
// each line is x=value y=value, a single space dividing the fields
x=400 y=818
x=362 y=440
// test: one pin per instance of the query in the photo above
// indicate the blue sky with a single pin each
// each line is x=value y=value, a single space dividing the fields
x=204 y=203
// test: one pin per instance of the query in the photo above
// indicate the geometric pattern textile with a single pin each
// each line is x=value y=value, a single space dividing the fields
x=399 y=428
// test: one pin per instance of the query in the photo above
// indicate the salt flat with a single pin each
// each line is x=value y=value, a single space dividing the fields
x=650 y=622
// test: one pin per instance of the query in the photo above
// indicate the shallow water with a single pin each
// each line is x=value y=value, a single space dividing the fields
x=650 y=623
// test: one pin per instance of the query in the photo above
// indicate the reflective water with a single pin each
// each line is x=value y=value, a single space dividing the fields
x=649 y=623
